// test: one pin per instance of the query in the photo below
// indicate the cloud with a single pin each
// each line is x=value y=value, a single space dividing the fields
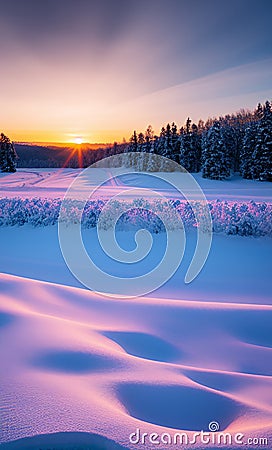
x=218 y=93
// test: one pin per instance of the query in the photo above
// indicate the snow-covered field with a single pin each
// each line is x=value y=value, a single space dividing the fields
x=74 y=362
x=53 y=183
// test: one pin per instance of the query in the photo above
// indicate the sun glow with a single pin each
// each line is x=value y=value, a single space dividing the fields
x=78 y=140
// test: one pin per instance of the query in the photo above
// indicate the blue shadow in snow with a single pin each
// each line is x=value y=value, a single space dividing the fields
x=179 y=407
x=145 y=345
x=63 y=441
x=73 y=362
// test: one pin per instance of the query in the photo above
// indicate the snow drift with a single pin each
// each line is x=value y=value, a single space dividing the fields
x=77 y=363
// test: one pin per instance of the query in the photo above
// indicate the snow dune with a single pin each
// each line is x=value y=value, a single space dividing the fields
x=60 y=441
x=77 y=363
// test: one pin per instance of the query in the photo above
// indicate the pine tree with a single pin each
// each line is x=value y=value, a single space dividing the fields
x=216 y=161
x=175 y=143
x=231 y=140
x=141 y=155
x=168 y=142
x=185 y=147
x=258 y=113
x=196 y=148
x=188 y=125
x=249 y=144
x=185 y=151
x=141 y=141
x=239 y=127
x=8 y=154
x=262 y=155
x=149 y=136
x=155 y=145
x=190 y=148
x=151 y=158
x=148 y=148
x=132 y=148
x=133 y=143
x=201 y=126
x=161 y=142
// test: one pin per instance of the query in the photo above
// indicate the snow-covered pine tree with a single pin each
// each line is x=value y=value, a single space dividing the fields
x=140 y=157
x=133 y=142
x=148 y=148
x=196 y=148
x=201 y=126
x=184 y=146
x=249 y=144
x=204 y=145
x=161 y=142
x=190 y=148
x=149 y=135
x=229 y=134
x=167 y=151
x=258 y=113
x=152 y=155
x=185 y=151
x=131 y=149
x=175 y=144
x=262 y=155
x=154 y=162
x=239 y=124
x=141 y=141
x=216 y=161
x=156 y=144
x=188 y=126
x=8 y=155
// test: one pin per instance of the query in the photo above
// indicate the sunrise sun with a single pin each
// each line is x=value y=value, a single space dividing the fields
x=78 y=140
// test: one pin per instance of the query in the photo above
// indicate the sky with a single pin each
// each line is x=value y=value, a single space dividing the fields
x=98 y=69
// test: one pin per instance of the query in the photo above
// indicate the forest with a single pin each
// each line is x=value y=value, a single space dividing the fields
x=235 y=143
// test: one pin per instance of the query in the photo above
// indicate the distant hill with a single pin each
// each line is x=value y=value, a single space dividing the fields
x=56 y=155
x=93 y=146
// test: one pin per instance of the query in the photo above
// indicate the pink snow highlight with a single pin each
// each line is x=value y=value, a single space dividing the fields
x=75 y=363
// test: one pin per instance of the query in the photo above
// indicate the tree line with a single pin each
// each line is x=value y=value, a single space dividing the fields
x=236 y=143
x=240 y=142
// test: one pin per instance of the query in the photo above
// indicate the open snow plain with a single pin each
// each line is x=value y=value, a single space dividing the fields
x=53 y=183
x=81 y=370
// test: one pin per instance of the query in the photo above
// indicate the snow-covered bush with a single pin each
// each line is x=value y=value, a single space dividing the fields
x=229 y=217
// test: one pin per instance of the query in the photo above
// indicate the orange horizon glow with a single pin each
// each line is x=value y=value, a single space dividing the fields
x=66 y=138
x=82 y=75
x=96 y=121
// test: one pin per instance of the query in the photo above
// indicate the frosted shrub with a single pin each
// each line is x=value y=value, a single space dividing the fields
x=237 y=218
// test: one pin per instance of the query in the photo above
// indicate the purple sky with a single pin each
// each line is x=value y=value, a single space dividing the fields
x=100 y=69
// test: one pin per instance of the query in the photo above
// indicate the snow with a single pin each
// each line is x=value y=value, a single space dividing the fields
x=237 y=269
x=76 y=362
x=79 y=369
x=53 y=183
x=59 y=441
x=237 y=206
